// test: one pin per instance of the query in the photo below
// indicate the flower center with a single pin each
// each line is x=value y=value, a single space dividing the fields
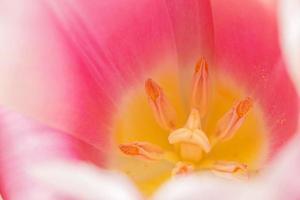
x=224 y=140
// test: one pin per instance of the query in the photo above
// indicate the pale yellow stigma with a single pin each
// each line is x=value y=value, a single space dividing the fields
x=191 y=138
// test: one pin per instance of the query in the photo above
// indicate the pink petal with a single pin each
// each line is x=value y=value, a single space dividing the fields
x=25 y=144
x=192 y=29
x=40 y=76
x=68 y=63
x=247 y=48
x=193 y=35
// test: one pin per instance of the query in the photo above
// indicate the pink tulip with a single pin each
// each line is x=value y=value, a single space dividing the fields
x=70 y=69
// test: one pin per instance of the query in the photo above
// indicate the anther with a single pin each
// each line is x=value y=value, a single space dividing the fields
x=200 y=87
x=164 y=113
x=231 y=170
x=233 y=119
x=182 y=168
x=143 y=150
x=244 y=106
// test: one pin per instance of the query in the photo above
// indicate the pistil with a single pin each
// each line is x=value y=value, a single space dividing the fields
x=191 y=139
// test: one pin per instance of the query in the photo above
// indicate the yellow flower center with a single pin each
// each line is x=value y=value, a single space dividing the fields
x=219 y=130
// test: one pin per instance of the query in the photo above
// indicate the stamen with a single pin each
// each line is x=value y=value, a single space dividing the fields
x=231 y=170
x=143 y=150
x=164 y=113
x=200 y=87
x=182 y=168
x=229 y=166
x=233 y=119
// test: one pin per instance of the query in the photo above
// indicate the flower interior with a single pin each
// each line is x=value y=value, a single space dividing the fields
x=164 y=130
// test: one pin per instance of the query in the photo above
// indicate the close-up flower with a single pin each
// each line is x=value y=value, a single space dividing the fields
x=149 y=99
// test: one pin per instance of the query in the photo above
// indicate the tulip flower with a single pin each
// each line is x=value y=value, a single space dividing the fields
x=124 y=99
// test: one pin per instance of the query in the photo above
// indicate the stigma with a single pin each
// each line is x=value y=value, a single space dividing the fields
x=189 y=141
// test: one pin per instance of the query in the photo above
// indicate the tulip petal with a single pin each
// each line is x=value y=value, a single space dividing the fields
x=247 y=48
x=289 y=15
x=283 y=178
x=25 y=143
x=84 y=181
x=70 y=62
x=40 y=76
x=206 y=187
x=193 y=32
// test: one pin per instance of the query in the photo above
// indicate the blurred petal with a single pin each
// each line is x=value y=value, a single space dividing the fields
x=209 y=188
x=283 y=179
x=289 y=19
x=25 y=143
x=247 y=48
x=84 y=181
x=79 y=57
x=40 y=76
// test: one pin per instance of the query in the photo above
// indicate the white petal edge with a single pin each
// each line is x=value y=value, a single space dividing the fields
x=208 y=187
x=283 y=178
x=289 y=23
x=84 y=181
